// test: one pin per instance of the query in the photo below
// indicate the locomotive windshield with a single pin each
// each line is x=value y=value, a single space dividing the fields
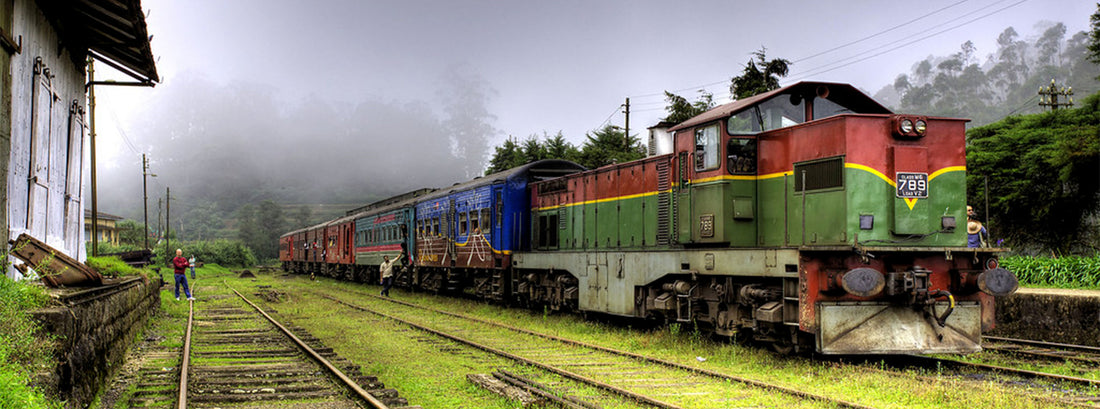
x=780 y=111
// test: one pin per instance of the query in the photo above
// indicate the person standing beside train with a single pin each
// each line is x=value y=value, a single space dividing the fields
x=180 y=265
x=976 y=233
x=387 y=274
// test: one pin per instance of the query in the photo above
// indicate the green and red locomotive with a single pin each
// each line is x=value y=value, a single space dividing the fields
x=809 y=217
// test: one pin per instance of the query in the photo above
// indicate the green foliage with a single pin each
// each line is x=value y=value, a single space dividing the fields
x=224 y=252
x=1094 y=37
x=21 y=351
x=753 y=81
x=131 y=233
x=680 y=109
x=513 y=153
x=608 y=145
x=1061 y=272
x=1042 y=171
x=259 y=228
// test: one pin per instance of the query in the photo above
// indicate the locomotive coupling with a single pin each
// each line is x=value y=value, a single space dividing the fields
x=998 y=282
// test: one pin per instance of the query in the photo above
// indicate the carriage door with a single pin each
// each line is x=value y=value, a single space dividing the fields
x=498 y=218
x=682 y=206
x=38 y=178
x=452 y=233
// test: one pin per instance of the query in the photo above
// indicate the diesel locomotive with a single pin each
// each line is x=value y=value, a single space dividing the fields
x=809 y=217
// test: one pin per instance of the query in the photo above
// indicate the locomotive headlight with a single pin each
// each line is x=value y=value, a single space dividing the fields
x=906 y=126
x=863 y=282
x=998 y=282
x=921 y=126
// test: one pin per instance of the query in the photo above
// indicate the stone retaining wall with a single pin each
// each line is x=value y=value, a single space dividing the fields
x=94 y=329
x=1066 y=316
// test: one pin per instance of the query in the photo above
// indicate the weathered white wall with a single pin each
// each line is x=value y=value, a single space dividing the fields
x=47 y=137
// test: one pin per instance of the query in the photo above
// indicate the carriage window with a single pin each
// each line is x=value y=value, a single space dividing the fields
x=741 y=156
x=435 y=227
x=782 y=111
x=706 y=148
x=485 y=220
x=462 y=224
x=743 y=123
x=474 y=227
x=824 y=108
x=500 y=208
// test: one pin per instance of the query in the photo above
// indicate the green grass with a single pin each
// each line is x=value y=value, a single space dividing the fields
x=23 y=351
x=410 y=368
x=110 y=266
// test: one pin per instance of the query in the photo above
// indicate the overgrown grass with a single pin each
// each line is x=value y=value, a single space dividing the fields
x=110 y=266
x=22 y=352
x=1061 y=272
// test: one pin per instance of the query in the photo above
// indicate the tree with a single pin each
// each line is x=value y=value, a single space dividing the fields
x=1094 y=37
x=512 y=154
x=506 y=156
x=752 y=81
x=1042 y=179
x=610 y=145
x=680 y=109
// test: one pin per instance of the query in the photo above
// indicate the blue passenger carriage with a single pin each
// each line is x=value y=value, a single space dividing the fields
x=465 y=234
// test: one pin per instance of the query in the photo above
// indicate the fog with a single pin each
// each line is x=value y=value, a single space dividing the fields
x=344 y=101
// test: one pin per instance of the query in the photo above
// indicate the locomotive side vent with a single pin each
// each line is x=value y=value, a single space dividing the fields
x=664 y=203
x=824 y=174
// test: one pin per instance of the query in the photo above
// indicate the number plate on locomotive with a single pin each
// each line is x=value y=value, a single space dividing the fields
x=912 y=185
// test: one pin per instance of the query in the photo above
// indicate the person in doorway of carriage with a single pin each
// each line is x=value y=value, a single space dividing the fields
x=387 y=274
x=180 y=265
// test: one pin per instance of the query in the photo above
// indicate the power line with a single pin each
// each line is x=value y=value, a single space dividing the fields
x=879 y=33
x=823 y=70
x=1024 y=105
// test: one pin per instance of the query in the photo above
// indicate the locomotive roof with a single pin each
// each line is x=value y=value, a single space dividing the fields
x=849 y=96
x=537 y=170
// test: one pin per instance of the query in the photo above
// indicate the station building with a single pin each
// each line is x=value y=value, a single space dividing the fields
x=45 y=47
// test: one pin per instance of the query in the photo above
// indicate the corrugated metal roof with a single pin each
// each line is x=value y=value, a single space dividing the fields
x=112 y=31
x=855 y=99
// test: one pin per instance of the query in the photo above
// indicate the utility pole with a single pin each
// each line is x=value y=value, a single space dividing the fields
x=167 y=223
x=159 y=230
x=91 y=117
x=626 y=127
x=1048 y=96
x=145 y=195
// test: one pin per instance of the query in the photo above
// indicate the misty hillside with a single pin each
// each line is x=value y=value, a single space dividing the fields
x=988 y=85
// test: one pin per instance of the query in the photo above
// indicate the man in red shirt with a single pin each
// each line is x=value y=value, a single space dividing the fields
x=180 y=265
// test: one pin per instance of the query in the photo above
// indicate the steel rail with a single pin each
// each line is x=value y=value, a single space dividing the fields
x=359 y=391
x=568 y=374
x=1085 y=348
x=186 y=364
x=701 y=371
x=1003 y=369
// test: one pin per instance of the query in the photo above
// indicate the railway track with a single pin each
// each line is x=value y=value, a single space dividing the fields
x=648 y=380
x=235 y=354
x=1078 y=354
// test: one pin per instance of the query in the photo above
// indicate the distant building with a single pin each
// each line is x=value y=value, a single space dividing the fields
x=44 y=49
x=107 y=229
x=660 y=140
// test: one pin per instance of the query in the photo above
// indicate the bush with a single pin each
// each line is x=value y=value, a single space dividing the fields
x=224 y=252
x=1062 y=272
x=21 y=351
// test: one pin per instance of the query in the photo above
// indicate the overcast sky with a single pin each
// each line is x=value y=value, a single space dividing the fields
x=554 y=65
